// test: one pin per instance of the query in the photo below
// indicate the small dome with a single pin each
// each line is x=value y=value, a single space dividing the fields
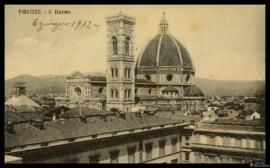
x=193 y=91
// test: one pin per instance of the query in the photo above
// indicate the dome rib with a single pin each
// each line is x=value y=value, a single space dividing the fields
x=169 y=55
x=148 y=57
x=158 y=50
x=179 y=52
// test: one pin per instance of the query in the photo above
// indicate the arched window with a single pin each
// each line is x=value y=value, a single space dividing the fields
x=114 y=45
x=150 y=91
x=116 y=93
x=125 y=93
x=129 y=72
x=129 y=93
x=112 y=93
x=100 y=90
x=127 y=46
x=187 y=106
x=112 y=72
x=116 y=72
x=126 y=71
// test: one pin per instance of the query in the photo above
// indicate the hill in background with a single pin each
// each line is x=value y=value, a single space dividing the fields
x=56 y=84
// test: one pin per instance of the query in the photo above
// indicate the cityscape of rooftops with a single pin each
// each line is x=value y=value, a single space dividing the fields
x=162 y=85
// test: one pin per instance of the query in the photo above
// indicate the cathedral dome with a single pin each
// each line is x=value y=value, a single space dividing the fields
x=164 y=50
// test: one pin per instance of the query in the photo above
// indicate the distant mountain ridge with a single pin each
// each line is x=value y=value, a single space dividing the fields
x=56 y=84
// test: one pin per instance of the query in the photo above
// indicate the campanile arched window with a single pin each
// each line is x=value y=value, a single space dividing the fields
x=127 y=46
x=112 y=72
x=114 y=45
x=116 y=72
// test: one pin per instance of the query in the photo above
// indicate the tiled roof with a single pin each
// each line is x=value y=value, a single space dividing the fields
x=75 y=112
x=179 y=116
x=22 y=100
x=73 y=128
x=192 y=91
x=23 y=117
x=50 y=110
x=20 y=108
x=96 y=78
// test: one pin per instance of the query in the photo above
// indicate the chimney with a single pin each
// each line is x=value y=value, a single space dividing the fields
x=39 y=124
x=138 y=114
x=83 y=119
x=10 y=127
x=122 y=115
x=54 y=116
x=104 y=118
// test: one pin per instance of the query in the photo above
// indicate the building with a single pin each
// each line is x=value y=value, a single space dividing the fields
x=19 y=88
x=226 y=141
x=94 y=137
x=252 y=115
x=163 y=75
x=19 y=102
x=12 y=159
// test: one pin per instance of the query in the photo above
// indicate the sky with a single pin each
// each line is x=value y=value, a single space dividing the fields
x=226 y=42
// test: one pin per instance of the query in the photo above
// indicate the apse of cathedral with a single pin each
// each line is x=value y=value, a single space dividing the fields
x=161 y=77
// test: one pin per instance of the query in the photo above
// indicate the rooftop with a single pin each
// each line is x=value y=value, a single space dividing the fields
x=234 y=125
x=26 y=133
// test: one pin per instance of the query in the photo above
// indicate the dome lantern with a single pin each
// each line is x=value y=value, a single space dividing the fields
x=163 y=25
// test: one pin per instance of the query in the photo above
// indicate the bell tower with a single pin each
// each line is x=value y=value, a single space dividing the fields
x=120 y=63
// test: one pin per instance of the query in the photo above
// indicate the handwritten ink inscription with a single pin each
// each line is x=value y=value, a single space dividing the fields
x=78 y=24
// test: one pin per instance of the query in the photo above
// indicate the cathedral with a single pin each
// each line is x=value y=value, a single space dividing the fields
x=162 y=77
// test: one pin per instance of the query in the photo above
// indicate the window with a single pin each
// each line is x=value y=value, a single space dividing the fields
x=237 y=142
x=114 y=155
x=169 y=77
x=258 y=144
x=148 y=77
x=186 y=154
x=237 y=159
x=125 y=72
x=210 y=140
x=129 y=93
x=131 y=154
x=162 y=147
x=125 y=93
x=174 y=142
x=197 y=156
x=100 y=90
x=116 y=72
x=127 y=46
x=112 y=93
x=211 y=158
x=112 y=72
x=116 y=93
x=174 y=161
x=114 y=45
x=148 y=150
x=94 y=158
x=149 y=91
x=136 y=90
x=129 y=70
x=226 y=141
x=187 y=140
x=71 y=159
